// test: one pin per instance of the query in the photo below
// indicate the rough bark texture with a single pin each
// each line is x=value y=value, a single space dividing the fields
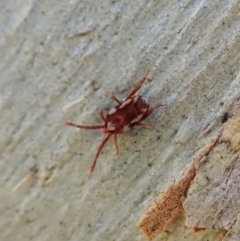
x=59 y=61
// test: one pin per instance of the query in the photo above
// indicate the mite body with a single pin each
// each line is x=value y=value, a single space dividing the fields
x=128 y=113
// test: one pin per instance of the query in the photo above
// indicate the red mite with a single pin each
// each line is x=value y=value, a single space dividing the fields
x=127 y=114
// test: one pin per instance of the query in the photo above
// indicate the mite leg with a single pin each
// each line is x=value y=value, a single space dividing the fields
x=139 y=85
x=85 y=127
x=150 y=111
x=116 y=143
x=98 y=153
x=102 y=115
x=115 y=98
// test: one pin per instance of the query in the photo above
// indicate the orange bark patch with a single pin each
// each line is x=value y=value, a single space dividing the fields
x=162 y=212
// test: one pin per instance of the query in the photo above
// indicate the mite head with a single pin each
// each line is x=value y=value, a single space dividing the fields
x=114 y=125
x=110 y=127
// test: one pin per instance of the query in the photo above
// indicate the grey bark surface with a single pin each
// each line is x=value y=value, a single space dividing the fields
x=59 y=61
